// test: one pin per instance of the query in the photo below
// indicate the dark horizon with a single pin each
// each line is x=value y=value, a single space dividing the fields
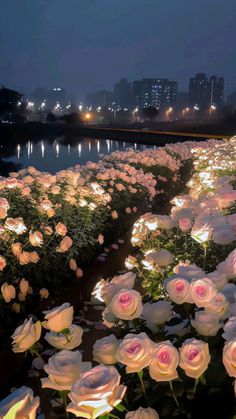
x=88 y=46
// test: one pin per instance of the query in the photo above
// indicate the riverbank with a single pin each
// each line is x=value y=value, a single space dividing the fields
x=153 y=134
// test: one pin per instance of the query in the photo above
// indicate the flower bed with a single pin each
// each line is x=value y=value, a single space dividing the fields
x=170 y=320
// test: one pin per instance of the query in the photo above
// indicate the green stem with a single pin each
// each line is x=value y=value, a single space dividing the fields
x=140 y=376
x=173 y=393
x=195 y=386
x=205 y=256
x=63 y=395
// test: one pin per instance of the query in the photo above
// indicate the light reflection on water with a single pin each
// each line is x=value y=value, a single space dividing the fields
x=56 y=155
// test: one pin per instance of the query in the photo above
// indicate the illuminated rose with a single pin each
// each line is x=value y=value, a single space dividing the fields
x=36 y=238
x=188 y=271
x=228 y=267
x=229 y=358
x=157 y=313
x=24 y=286
x=96 y=392
x=203 y=234
x=21 y=404
x=71 y=341
x=202 y=291
x=24 y=258
x=164 y=362
x=44 y=293
x=206 y=323
x=8 y=292
x=194 y=357
x=164 y=222
x=16 y=225
x=64 y=369
x=219 y=279
x=229 y=291
x=126 y=280
x=16 y=249
x=79 y=273
x=33 y=257
x=65 y=244
x=230 y=329
x=142 y=413
x=59 y=318
x=219 y=305
x=178 y=290
x=161 y=258
x=26 y=335
x=100 y=239
x=73 y=265
x=135 y=352
x=223 y=235
x=2 y=263
x=104 y=350
x=185 y=224
x=126 y=304
x=61 y=229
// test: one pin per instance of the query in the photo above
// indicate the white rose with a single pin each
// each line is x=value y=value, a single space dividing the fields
x=21 y=403
x=194 y=357
x=202 y=291
x=202 y=234
x=206 y=323
x=223 y=235
x=26 y=335
x=72 y=340
x=229 y=265
x=104 y=350
x=135 y=352
x=161 y=258
x=219 y=305
x=142 y=413
x=229 y=290
x=230 y=329
x=126 y=304
x=164 y=362
x=165 y=222
x=8 y=292
x=178 y=290
x=63 y=369
x=229 y=357
x=157 y=313
x=59 y=318
x=126 y=280
x=188 y=271
x=96 y=392
x=219 y=279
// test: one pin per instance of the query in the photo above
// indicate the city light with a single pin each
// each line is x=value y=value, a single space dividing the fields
x=87 y=116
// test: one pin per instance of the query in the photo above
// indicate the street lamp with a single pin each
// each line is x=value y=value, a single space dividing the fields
x=168 y=112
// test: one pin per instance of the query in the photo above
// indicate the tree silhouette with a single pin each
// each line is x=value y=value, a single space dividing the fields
x=51 y=117
x=9 y=100
x=72 y=118
x=150 y=112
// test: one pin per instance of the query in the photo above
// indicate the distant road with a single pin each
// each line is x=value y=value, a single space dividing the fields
x=170 y=133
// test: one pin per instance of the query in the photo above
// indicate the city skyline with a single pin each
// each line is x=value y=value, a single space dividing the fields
x=90 y=45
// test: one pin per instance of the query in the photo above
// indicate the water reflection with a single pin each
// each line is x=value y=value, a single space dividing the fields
x=57 y=154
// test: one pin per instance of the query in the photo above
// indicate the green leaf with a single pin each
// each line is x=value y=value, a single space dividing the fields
x=120 y=408
x=202 y=380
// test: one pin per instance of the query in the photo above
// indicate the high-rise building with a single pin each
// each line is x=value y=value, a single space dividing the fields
x=160 y=93
x=102 y=98
x=206 y=91
x=123 y=94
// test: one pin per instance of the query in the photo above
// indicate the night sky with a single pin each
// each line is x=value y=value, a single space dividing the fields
x=87 y=45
